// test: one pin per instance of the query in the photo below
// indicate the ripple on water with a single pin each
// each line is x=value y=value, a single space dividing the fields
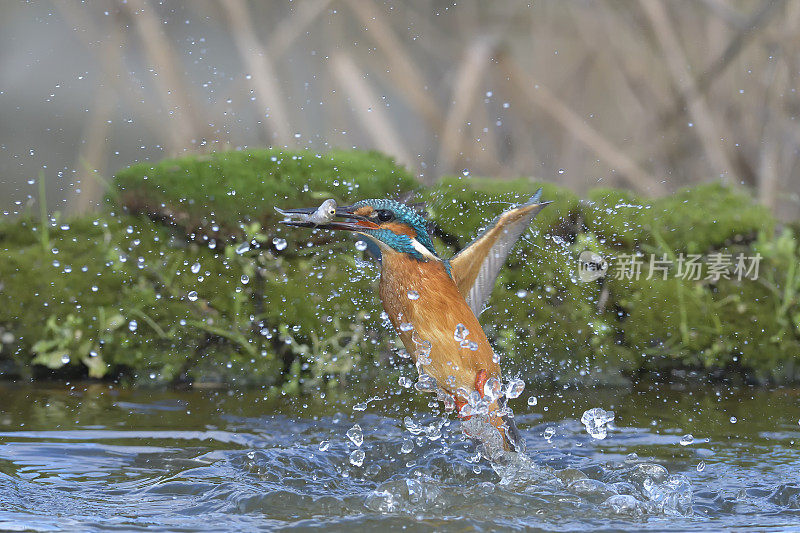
x=245 y=473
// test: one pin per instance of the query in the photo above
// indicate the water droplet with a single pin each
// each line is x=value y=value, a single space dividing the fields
x=425 y=383
x=65 y=359
x=433 y=432
x=405 y=382
x=355 y=435
x=360 y=406
x=522 y=293
x=460 y=334
x=465 y=172
x=492 y=389
x=533 y=400
x=133 y=325
x=361 y=246
x=357 y=457
x=192 y=296
x=514 y=388
x=687 y=439
x=412 y=426
x=407 y=446
x=243 y=247
x=561 y=171
x=549 y=432
x=423 y=351
x=701 y=466
x=449 y=403
x=595 y=421
x=280 y=244
x=406 y=326
x=245 y=279
x=324 y=445
x=196 y=268
x=733 y=420
x=412 y=295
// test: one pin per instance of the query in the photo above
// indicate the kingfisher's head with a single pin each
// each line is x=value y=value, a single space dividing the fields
x=392 y=225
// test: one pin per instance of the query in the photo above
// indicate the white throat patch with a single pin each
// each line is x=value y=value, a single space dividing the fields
x=418 y=246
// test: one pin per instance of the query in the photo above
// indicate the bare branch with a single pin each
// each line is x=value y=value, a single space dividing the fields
x=259 y=64
x=368 y=108
x=289 y=30
x=463 y=97
x=403 y=71
x=678 y=67
x=540 y=97
x=172 y=88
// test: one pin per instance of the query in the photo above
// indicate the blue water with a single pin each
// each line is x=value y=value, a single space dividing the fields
x=78 y=457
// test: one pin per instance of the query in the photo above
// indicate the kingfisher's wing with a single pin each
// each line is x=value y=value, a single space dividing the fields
x=475 y=268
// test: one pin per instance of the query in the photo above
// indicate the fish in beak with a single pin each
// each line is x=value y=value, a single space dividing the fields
x=324 y=217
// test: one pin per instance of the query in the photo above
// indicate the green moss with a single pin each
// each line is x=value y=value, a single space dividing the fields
x=72 y=304
x=109 y=295
x=541 y=319
x=460 y=207
x=707 y=216
x=214 y=195
x=615 y=217
x=551 y=324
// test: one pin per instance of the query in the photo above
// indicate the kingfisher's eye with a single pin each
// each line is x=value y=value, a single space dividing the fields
x=385 y=215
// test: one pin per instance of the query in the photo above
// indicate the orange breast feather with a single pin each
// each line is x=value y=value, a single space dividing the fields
x=434 y=316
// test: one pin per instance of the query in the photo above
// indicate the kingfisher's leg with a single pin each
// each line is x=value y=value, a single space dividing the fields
x=459 y=404
x=480 y=381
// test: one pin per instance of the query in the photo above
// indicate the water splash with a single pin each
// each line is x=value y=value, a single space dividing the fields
x=460 y=335
x=596 y=421
x=356 y=435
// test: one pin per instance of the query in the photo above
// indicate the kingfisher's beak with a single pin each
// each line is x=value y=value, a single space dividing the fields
x=350 y=222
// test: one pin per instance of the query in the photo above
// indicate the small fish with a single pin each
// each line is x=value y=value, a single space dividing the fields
x=323 y=215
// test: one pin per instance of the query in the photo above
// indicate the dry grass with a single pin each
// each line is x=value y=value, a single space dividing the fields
x=645 y=94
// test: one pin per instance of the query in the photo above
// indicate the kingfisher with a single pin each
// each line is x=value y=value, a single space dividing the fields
x=434 y=303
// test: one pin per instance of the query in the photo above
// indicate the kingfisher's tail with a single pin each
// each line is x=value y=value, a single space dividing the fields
x=512 y=439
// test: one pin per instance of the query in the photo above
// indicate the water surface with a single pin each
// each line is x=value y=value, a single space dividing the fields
x=94 y=457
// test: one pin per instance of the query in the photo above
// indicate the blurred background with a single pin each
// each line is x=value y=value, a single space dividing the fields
x=646 y=95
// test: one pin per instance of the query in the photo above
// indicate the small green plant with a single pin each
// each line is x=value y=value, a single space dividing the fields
x=187 y=275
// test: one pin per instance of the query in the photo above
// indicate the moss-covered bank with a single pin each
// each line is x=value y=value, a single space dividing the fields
x=186 y=276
